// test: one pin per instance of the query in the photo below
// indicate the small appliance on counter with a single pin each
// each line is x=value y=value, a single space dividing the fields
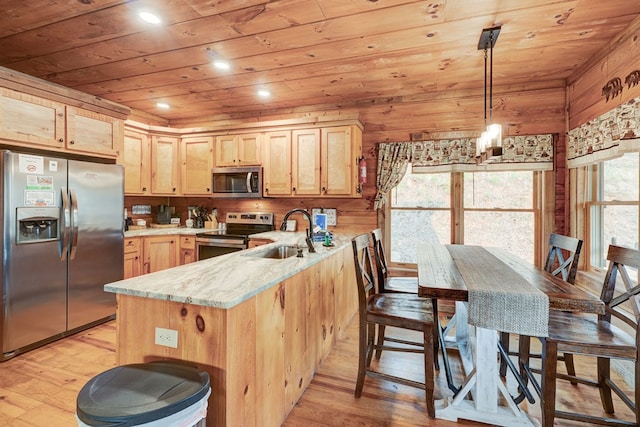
x=164 y=214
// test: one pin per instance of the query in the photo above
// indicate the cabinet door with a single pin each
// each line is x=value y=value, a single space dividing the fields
x=93 y=133
x=277 y=164
x=197 y=161
x=135 y=159
x=160 y=253
x=132 y=261
x=305 y=151
x=226 y=150
x=187 y=249
x=249 y=150
x=31 y=120
x=339 y=152
x=164 y=165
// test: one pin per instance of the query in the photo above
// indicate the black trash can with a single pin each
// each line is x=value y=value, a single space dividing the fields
x=156 y=394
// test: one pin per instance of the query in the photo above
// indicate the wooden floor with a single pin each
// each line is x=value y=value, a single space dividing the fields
x=39 y=388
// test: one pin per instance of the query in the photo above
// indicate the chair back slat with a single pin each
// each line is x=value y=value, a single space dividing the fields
x=619 y=259
x=364 y=268
x=380 y=257
x=563 y=257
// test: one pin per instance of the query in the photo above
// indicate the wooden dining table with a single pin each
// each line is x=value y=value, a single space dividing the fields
x=493 y=291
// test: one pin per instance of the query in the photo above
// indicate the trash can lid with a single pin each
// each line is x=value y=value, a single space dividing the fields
x=130 y=395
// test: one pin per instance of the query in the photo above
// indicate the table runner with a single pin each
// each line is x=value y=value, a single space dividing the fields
x=500 y=298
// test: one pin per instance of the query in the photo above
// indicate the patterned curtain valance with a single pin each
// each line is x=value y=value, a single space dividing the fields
x=528 y=149
x=605 y=137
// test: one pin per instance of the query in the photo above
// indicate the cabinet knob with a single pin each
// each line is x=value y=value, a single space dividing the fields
x=324 y=189
x=144 y=188
x=294 y=189
x=208 y=189
x=61 y=140
x=174 y=189
x=72 y=142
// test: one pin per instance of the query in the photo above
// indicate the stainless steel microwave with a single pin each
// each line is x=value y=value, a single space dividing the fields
x=240 y=182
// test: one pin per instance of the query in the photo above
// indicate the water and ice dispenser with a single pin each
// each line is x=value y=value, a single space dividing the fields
x=38 y=224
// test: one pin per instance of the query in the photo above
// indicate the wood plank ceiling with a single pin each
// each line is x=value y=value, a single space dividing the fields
x=312 y=55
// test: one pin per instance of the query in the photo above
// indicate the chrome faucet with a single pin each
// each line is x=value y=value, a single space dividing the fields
x=309 y=239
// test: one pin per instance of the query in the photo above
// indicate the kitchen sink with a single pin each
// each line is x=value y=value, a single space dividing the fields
x=277 y=252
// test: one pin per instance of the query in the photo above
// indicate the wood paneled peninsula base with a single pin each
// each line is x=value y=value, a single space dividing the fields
x=260 y=327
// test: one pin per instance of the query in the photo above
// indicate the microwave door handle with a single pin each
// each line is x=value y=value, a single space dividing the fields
x=66 y=220
x=249 y=190
x=74 y=232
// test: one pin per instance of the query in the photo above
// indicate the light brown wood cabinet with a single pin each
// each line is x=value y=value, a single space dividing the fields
x=159 y=253
x=165 y=165
x=196 y=154
x=187 y=249
x=341 y=147
x=132 y=257
x=135 y=157
x=238 y=150
x=313 y=162
x=93 y=133
x=277 y=164
x=33 y=121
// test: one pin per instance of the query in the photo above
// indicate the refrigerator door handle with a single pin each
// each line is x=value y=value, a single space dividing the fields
x=74 y=231
x=66 y=222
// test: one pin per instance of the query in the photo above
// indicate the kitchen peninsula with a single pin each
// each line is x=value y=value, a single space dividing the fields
x=259 y=326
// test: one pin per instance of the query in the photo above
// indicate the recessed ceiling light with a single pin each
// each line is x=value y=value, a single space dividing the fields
x=163 y=105
x=264 y=93
x=221 y=64
x=149 y=17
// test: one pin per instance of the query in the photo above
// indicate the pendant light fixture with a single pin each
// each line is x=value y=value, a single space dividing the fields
x=489 y=144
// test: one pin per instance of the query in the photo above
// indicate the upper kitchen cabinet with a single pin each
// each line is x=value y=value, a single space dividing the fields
x=305 y=155
x=341 y=147
x=319 y=162
x=165 y=165
x=197 y=160
x=135 y=157
x=276 y=160
x=238 y=150
x=31 y=120
x=93 y=133
x=56 y=123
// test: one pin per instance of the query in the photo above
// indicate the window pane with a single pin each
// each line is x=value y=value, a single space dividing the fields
x=506 y=190
x=422 y=190
x=512 y=231
x=620 y=224
x=621 y=178
x=410 y=227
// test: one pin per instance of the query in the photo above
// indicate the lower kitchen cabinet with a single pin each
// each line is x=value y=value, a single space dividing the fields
x=159 y=253
x=132 y=257
x=187 y=249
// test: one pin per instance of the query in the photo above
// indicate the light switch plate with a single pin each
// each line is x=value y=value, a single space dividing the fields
x=332 y=215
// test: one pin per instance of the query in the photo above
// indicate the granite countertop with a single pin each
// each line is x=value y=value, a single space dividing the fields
x=165 y=231
x=230 y=279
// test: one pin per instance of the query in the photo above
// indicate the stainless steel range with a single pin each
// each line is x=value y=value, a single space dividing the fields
x=239 y=226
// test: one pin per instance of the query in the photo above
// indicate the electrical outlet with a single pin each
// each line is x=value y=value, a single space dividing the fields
x=167 y=337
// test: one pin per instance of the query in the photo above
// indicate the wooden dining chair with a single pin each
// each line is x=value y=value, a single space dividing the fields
x=613 y=335
x=377 y=310
x=387 y=283
x=562 y=261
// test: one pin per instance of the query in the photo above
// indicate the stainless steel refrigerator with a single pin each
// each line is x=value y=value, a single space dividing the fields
x=62 y=228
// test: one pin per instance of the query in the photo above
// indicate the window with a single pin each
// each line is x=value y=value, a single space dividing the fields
x=420 y=212
x=497 y=210
x=614 y=207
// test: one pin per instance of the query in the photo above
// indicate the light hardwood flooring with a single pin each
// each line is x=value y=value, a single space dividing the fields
x=39 y=388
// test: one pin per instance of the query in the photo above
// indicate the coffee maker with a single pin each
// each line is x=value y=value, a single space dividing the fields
x=164 y=214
